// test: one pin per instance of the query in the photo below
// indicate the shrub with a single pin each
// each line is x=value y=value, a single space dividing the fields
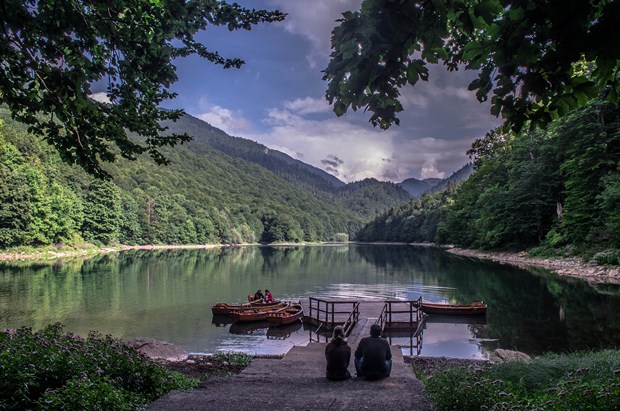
x=341 y=237
x=581 y=381
x=48 y=368
x=608 y=257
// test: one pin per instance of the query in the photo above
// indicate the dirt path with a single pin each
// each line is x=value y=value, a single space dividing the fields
x=297 y=382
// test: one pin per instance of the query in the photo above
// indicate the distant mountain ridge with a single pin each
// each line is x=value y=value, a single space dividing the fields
x=417 y=188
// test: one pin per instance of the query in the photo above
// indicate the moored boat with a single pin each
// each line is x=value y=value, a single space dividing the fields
x=287 y=315
x=255 y=313
x=225 y=309
x=475 y=308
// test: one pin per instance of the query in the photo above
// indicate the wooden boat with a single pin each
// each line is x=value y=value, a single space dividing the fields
x=475 y=308
x=288 y=315
x=255 y=313
x=225 y=309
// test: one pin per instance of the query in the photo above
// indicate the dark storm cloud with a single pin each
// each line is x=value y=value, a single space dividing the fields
x=332 y=161
x=390 y=175
x=332 y=170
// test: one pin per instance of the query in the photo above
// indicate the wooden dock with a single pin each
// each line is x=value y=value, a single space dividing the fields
x=358 y=315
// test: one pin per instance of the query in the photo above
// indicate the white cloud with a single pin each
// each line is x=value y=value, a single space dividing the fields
x=315 y=21
x=308 y=105
x=231 y=121
x=353 y=151
x=101 y=97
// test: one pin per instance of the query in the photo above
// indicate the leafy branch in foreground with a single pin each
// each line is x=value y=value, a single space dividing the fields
x=537 y=60
x=53 y=51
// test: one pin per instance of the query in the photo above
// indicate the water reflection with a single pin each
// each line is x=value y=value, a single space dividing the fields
x=167 y=295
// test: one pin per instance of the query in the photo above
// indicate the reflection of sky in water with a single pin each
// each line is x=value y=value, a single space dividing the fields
x=381 y=291
x=451 y=340
x=259 y=342
x=445 y=336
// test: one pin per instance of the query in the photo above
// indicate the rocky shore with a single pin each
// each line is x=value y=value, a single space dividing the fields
x=573 y=267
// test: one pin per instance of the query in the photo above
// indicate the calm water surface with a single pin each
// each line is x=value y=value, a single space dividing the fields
x=167 y=295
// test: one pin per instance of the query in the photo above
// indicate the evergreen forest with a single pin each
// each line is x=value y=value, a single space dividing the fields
x=216 y=189
x=550 y=191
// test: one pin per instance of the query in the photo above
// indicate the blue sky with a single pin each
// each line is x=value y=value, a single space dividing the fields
x=277 y=99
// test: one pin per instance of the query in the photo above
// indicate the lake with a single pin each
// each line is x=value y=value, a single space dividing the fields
x=168 y=294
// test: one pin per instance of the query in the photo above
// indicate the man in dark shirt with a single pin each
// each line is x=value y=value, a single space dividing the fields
x=373 y=357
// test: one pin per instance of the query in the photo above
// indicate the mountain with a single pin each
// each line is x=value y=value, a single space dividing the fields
x=417 y=187
x=275 y=161
x=365 y=198
x=369 y=196
x=216 y=189
x=459 y=175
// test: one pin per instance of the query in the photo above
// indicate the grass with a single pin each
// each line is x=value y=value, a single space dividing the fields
x=579 y=381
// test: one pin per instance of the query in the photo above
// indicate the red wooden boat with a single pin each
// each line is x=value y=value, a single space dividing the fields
x=225 y=309
x=255 y=313
x=288 y=315
x=475 y=308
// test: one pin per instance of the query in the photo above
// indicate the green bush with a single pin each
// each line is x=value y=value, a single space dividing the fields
x=50 y=369
x=581 y=381
x=341 y=237
x=608 y=257
x=235 y=358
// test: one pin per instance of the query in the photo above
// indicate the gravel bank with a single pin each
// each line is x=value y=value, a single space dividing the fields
x=573 y=267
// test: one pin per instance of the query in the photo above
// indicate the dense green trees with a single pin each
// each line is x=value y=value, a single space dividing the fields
x=554 y=188
x=537 y=59
x=203 y=197
x=52 y=52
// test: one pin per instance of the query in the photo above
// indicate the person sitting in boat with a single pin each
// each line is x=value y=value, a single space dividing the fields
x=373 y=356
x=258 y=296
x=268 y=296
x=338 y=355
x=250 y=298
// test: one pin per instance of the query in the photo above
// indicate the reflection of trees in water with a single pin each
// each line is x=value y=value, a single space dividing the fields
x=524 y=305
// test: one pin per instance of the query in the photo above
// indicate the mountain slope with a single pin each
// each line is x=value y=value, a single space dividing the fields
x=458 y=176
x=275 y=161
x=203 y=196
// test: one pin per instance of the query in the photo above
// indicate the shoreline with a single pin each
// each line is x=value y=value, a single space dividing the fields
x=571 y=267
x=591 y=272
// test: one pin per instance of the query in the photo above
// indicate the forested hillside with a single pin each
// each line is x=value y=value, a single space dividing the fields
x=555 y=190
x=203 y=196
x=275 y=161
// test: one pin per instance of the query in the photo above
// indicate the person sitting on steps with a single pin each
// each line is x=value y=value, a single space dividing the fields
x=338 y=355
x=373 y=357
